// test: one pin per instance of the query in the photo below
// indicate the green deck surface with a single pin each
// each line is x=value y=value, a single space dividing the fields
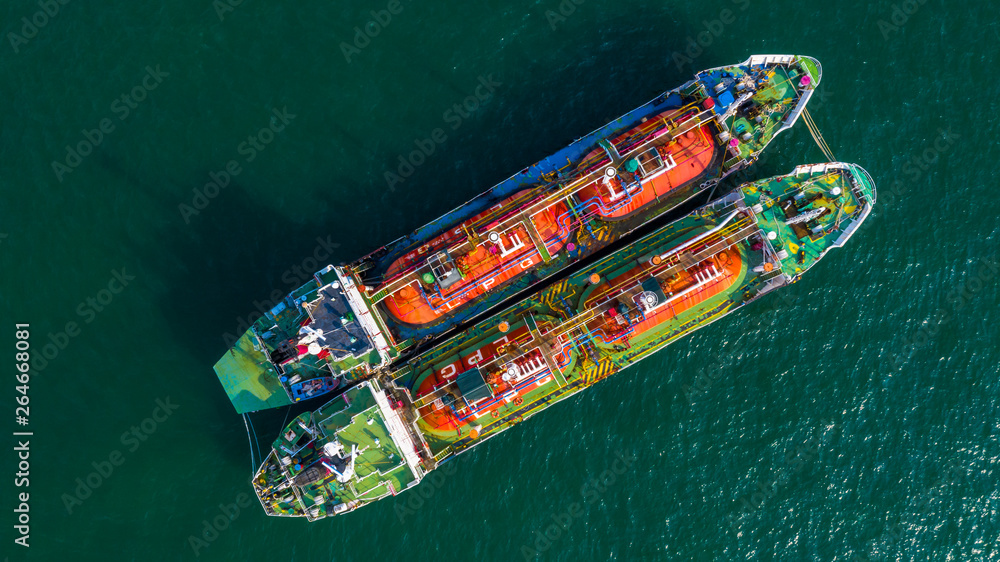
x=805 y=248
x=781 y=98
x=354 y=419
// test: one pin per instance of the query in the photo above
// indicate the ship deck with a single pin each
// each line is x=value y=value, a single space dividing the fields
x=354 y=418
x=837 y=214
x=729 y=253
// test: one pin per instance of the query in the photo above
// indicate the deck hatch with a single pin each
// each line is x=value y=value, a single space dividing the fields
x=444 y=269
x=652 y=163
x=473 y=386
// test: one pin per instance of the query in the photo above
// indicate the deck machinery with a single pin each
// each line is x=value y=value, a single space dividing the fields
x=385 y=433
x=352 y=322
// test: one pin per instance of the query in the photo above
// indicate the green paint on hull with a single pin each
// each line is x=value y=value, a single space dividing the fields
x=249 y=378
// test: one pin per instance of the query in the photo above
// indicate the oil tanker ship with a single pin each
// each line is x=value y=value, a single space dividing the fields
x=353 y=321
x=384 y=434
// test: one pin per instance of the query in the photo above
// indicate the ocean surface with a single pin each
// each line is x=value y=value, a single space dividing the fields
x=166 y=165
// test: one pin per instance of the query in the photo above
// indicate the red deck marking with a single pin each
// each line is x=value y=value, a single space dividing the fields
x=443 y=418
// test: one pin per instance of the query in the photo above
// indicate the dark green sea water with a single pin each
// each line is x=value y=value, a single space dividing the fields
x=853 y=416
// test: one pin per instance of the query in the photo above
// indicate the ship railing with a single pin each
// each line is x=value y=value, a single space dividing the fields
x=699 y=321
x=771 y=59
x=499 y=425
x=770 y=255
x=406 y=277
x=851 y=229
x=597 y=204
x=579 y=183
x=431 y=396
x=768 y=252
x=799 y=100
x=544 y=370
x=409 y=416
x=369 y=321
x=384 y=481
x=800 y=103
x=769 y=282
x=398 y=432
x=296 y=491
x=591 y=164
x=646 y=137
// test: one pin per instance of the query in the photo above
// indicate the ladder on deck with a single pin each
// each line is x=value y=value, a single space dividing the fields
x=529 y=225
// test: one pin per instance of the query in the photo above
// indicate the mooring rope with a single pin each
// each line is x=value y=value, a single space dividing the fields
x=249 y=443
x=257 y=443
x=817 y=136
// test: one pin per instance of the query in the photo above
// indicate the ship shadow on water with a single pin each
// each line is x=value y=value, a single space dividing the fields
x=219 y=270
x=546 y=103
